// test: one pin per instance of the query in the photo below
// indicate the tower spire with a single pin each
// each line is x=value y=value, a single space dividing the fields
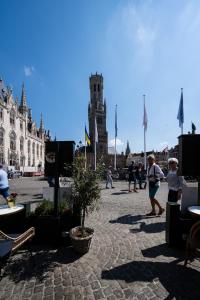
x=23 y=97
x=41 y=124
x=23 y=106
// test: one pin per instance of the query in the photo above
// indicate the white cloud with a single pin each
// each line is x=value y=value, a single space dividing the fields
x=28 y=70
x=118 y=142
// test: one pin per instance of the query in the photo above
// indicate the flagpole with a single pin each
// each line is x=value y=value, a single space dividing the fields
x=85 y=155
x=145 y=153
x=95 y=146
x=115 y=160
x=182 y=122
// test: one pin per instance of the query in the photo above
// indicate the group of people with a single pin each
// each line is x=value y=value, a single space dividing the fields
x=136 y=173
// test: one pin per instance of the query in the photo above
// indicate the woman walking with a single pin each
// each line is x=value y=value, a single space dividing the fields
x=154 y=174
x=175 y=182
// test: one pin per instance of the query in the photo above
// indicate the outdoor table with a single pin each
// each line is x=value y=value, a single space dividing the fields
x=6 y=210
x=195 y=211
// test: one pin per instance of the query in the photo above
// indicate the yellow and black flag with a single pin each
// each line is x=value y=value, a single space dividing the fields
x=87 y=138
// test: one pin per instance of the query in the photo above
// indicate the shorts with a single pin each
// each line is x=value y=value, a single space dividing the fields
x=153 y=191
x=4 y=192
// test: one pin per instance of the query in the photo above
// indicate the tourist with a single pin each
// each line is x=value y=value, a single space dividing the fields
x=175 y=182
x=4 y=186
x=109 y=179
x=138 y=174
x=132 y=177
x=154 y=175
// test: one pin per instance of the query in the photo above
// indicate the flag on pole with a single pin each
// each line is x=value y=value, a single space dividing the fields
x=87 y=139
x=145 y=117
x=116 y=129
x=96 y=131
x=180 y=115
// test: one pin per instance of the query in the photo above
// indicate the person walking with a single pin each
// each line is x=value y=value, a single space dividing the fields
x=154 y=175
x=4 y=186
x=109 y=179
x=132 y=177
x=175 y=182
x=138 y=174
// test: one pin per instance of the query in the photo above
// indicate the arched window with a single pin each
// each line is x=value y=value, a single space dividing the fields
x=1 y=113
x=29 y=147
x=1 y=136
x=12 y=141
x=37 y=151
x=33 y=151
x=1 y=156
x=41 y=151
x=21 y=144
x=12 y=117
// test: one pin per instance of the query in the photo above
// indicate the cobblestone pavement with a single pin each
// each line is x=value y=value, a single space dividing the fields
x=128 y=259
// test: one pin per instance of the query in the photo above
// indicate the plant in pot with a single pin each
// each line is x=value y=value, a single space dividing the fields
x=85 y=196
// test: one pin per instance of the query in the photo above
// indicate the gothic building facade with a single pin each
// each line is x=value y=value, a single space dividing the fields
x=97 y=110
x=21 y=142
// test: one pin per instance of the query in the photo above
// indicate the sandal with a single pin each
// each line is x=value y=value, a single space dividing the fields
x=161 y=211
x=152 y=213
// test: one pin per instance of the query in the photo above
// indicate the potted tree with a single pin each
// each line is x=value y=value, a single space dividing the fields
x=85 y=195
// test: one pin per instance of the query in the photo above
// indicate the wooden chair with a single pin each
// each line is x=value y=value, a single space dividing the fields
x=193 y=243
x=10 y=243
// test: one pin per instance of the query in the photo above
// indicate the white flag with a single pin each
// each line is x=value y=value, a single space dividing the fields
x=145 y=118
x=96 y=131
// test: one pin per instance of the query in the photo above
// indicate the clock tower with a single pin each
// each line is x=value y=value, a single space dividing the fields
x=97 y=109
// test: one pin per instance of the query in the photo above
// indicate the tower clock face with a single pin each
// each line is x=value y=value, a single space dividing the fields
x=51 y=157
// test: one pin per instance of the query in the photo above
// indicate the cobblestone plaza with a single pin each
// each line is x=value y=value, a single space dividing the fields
x=128 y=259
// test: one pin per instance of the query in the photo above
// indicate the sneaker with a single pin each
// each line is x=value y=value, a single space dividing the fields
x=152 y=213
x=135 y=191
x=161 y=211
x=112 y=187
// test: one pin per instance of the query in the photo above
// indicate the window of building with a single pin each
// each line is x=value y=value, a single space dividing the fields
x=33 y=148
x=21 y=125
x=1 y=137
x=12 y=117
x=98 y=87
x=1 y=113
x=29 y=147
x=40 y=151
x=1 y=157
x=12 y=141
x=29 y=161
x=21 y=144
x=99 y=120
x=37 y=150
x=94 y=87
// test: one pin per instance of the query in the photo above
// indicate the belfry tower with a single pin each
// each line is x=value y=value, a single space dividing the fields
x=97 y=108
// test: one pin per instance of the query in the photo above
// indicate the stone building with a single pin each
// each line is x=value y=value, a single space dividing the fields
x=97 y=109
x=21 y=141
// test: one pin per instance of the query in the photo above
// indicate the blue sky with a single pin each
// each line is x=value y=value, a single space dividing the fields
x=141 y=47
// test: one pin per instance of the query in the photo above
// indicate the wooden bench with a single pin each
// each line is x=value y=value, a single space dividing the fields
x=9 y=243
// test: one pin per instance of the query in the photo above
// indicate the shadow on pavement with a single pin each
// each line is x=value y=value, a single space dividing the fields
x=128 y=219
x=149 y=228
x=24 y=267
x=164 y=250
x=119 y=193
x=179 y=281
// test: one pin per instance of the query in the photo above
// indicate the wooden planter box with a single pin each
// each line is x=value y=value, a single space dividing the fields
x=49 y=229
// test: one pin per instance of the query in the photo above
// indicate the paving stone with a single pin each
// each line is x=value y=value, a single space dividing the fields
x=128 y=258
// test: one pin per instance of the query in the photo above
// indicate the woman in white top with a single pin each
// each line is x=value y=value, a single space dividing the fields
x=175 y=182
x=154 y=174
